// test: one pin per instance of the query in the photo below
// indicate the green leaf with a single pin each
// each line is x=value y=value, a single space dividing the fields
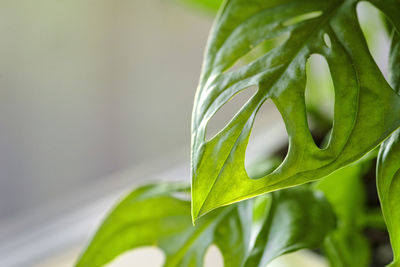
x=388 y=182
x=147 y=216
x=344 y=189
x=388 y=163
x=293 y=223
x=394 y=61
x=362 y=95
x=250 y=233
x=232 y=236
x=346 y=249
x=150 y=216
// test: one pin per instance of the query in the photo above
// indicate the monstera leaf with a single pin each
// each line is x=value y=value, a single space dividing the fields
x=365 y=112
x=388 y=166
x=248 y=234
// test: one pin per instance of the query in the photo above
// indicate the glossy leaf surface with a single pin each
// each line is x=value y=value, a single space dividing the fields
x=362 y=96
x=388 y=182
x=248 y=234
x=388 y=166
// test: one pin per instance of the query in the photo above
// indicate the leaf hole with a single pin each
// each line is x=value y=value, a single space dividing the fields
x=213 y=257
x=227 y=112
x=302 y=17
x=258 y=50
x=375 y=34
x=144 y=256
x=327 y=40
x=268 y=142
x=319 y=99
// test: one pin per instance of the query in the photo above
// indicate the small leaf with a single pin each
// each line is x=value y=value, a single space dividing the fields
x=362 y=95
x=250 y=233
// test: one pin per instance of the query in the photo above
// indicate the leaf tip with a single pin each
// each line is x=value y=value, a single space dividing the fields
x=199 y=209
x=195 y=213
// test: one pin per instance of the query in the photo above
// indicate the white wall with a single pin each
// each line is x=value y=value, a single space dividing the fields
x=89 y=87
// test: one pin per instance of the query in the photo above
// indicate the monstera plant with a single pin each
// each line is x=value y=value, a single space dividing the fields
x=317 y=195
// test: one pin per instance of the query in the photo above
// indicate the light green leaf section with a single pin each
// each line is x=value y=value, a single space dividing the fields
x=248 y=234
x=362 y=96
x=344 y=189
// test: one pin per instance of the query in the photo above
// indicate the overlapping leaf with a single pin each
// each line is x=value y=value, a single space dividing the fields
x=388 y=182
x=248 y=234
x=345 y=191
x=293 y=223
x=388 y=167
x=366 y=107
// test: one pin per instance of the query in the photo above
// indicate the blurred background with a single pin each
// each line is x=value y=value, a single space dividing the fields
x=95 y=97
x=90 y=89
